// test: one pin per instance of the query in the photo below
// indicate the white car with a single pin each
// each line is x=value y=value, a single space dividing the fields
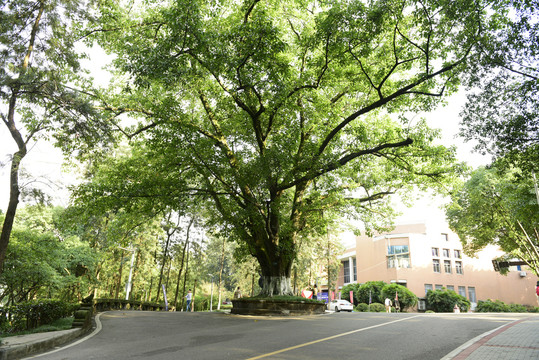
x=340 y=305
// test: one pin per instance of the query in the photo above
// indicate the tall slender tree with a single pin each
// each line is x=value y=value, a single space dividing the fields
x=39 y=72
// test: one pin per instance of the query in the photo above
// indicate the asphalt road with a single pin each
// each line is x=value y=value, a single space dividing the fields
x=207 y=336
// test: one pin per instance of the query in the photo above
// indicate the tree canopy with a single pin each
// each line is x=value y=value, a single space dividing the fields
x=279 y=115
x=501 y=113
x=499 y=208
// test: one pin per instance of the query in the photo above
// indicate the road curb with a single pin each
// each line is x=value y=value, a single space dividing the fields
x=49 y=341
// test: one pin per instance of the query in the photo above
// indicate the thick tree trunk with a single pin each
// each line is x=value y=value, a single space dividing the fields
x=276 y=267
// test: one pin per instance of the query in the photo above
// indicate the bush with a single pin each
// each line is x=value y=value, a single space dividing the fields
x=377 y=307
x=491 y=306
x=372 y=289
x=362 y=307
x=31 y=314
x=407 y=298
x=517 y=308
x=500 y=306
x=345 y=292
x=445 y=300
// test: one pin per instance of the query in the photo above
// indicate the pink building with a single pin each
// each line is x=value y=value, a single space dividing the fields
x=424 y=256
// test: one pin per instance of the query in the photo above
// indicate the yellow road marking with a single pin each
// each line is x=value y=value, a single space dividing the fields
x=328 y=338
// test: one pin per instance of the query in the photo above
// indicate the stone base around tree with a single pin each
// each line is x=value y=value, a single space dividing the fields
x=276 y=307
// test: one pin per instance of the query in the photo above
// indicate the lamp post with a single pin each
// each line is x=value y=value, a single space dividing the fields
x=211 y=296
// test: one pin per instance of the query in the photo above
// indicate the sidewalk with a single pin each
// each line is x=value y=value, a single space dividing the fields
x=17 y=347
x=518 y=340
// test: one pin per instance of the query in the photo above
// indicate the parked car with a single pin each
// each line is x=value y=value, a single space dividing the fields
x=340 y=305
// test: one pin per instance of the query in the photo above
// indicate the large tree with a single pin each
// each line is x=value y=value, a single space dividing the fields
x=39 y=68
x=281 y=114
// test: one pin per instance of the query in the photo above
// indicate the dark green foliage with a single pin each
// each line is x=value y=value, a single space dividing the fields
x=445 y=300
x=44 y=261
x=362 y=307
x=499 y=306
x=370 y=288
x=32 y=314
x=377 y=307
x=407 y=298
x=345 y=292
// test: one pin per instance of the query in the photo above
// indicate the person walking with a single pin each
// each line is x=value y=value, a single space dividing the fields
x=388 y=305
x=189 y=297
x=237 y=293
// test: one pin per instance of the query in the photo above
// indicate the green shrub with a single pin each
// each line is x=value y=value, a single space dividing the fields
x=407 y=298
x=372 y=289
x=491 y=306
x=445 y=300
x=31 y=314
x=516 y=308
x=362 y=307
x=499 y=306
x=377 y=307
x=345 y=292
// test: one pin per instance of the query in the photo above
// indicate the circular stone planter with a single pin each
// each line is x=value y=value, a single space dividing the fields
x=276 y=307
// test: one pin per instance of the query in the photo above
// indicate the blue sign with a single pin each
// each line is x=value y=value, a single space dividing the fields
x=323 y=296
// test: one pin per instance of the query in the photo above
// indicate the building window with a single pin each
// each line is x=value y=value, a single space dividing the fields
x=427 y=288
x=450 y=287
x=458 y=267
x=438 y=287
x=446 y=253
x=436 y=265
x=447 y=266
x=445 y=237
x=346 y=265
x=471 y=294
x=462 y=291
x=355 y=270
x=397 y=249
x=457 y=254
x=398 y=256
x=435 y=252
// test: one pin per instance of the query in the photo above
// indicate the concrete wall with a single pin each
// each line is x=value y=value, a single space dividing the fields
x=478 y=273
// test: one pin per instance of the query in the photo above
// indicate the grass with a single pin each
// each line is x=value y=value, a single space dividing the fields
x=60 y=324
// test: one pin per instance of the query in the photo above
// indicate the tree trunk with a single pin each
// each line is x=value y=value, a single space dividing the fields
x=222 y=265
x=185 y=275
x=180 y=273
x=118 y=284
x=151 y=277
x=193 y=299
x=12 y=205
x=276 y=277
x=169 y=235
